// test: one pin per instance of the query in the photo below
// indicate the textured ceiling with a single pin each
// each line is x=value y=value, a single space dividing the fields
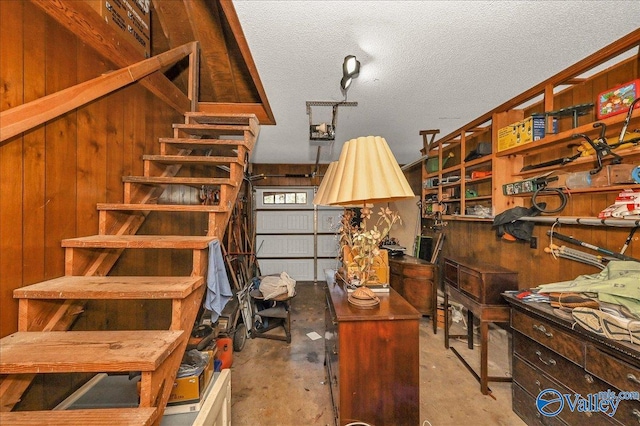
x=425 y=64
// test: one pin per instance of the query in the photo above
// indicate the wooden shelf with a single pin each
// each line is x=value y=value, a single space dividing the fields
x=612 y=123
x=577 y=84
x=601 y=189
x=590 y=159
x=477 y=181
x=479 y=198
x=467 y=218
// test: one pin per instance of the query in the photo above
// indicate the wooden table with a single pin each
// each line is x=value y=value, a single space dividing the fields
x=477 y=287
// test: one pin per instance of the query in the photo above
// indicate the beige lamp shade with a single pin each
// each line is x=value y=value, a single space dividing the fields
x=366 y=172
x=322 y=195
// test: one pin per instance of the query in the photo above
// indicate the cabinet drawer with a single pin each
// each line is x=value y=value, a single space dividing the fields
x=553 y=365
x=395 y=268
x=549 y=335
x=418 y=271
x=535 y=381
x=524 y=405
x=470 y=282
x=612 y=370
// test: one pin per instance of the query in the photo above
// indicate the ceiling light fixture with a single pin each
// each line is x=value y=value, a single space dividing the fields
x=350 y=70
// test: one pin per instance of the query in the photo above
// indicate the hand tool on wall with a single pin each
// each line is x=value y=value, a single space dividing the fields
x=576 y=255
x=600 y=146
x=623 y=131
x=581 y=152
x=572 y=240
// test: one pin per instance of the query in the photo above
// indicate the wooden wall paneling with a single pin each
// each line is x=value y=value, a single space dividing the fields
x=11 y=165
x=91 y=146
x=34 y=200
x=60 y=151
x=115 y=129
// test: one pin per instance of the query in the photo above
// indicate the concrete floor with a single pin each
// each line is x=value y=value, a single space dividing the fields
x=276 y=383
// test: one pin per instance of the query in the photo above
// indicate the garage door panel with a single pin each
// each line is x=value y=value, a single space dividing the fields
x=329 y=220
x=284 y=246
x=284 y=222
x=327 y=246
x=298 y=269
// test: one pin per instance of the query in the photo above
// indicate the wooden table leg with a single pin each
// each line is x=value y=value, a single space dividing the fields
x=446 y=319
x=469 y=329
x=484 y=357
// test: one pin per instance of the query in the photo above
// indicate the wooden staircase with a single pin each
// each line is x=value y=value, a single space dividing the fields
x=47 y=310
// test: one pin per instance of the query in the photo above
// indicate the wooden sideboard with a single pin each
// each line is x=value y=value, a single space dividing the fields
x=550 y=353
x=372 y=359
x=415 y=280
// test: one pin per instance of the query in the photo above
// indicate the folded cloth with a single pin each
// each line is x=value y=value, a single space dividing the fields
x=271 y=286
x=218 y=287
x=572 y=300
x=608 y=325
x=618 y=283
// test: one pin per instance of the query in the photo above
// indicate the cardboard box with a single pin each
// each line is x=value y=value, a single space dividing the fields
x=189 y=389
x=507 y=137
x=617 y=99
x=522 y=132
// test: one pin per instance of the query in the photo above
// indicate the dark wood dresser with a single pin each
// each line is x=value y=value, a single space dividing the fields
x=372 y=359
x=548 y=353
x=414 y=279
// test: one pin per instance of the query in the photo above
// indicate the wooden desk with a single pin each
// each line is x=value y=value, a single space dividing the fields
x=477 y=287
x=372 y=359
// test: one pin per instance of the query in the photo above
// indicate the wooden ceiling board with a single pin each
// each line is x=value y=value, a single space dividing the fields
x=174 y=22
x=217 y=82
x=236 y=29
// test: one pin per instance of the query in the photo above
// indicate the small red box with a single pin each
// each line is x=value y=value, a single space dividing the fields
x=617 y=100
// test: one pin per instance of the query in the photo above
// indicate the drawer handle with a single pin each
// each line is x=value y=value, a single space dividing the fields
x=588 y=378
x=550 y=362
x=542 y=330
x=633 y=378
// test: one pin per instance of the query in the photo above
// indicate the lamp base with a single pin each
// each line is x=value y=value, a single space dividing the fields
x=363 y=298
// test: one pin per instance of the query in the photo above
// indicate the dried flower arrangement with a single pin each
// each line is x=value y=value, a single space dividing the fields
x=360 y=247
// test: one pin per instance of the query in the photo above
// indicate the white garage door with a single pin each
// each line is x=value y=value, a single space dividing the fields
x=293 y=235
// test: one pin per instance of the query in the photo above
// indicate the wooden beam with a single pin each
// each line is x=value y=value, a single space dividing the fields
x=234 y=23
x=26 y=116
x=83 y=21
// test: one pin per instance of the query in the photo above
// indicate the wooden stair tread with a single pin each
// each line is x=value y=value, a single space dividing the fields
x=178 y=180
x=204 y=117
x=86 y=351
x=142 y=416
x=192 y=159
x=213 y=129
x=110 y=287
x=140 y=241
x=190 y=142
x=163 y=207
